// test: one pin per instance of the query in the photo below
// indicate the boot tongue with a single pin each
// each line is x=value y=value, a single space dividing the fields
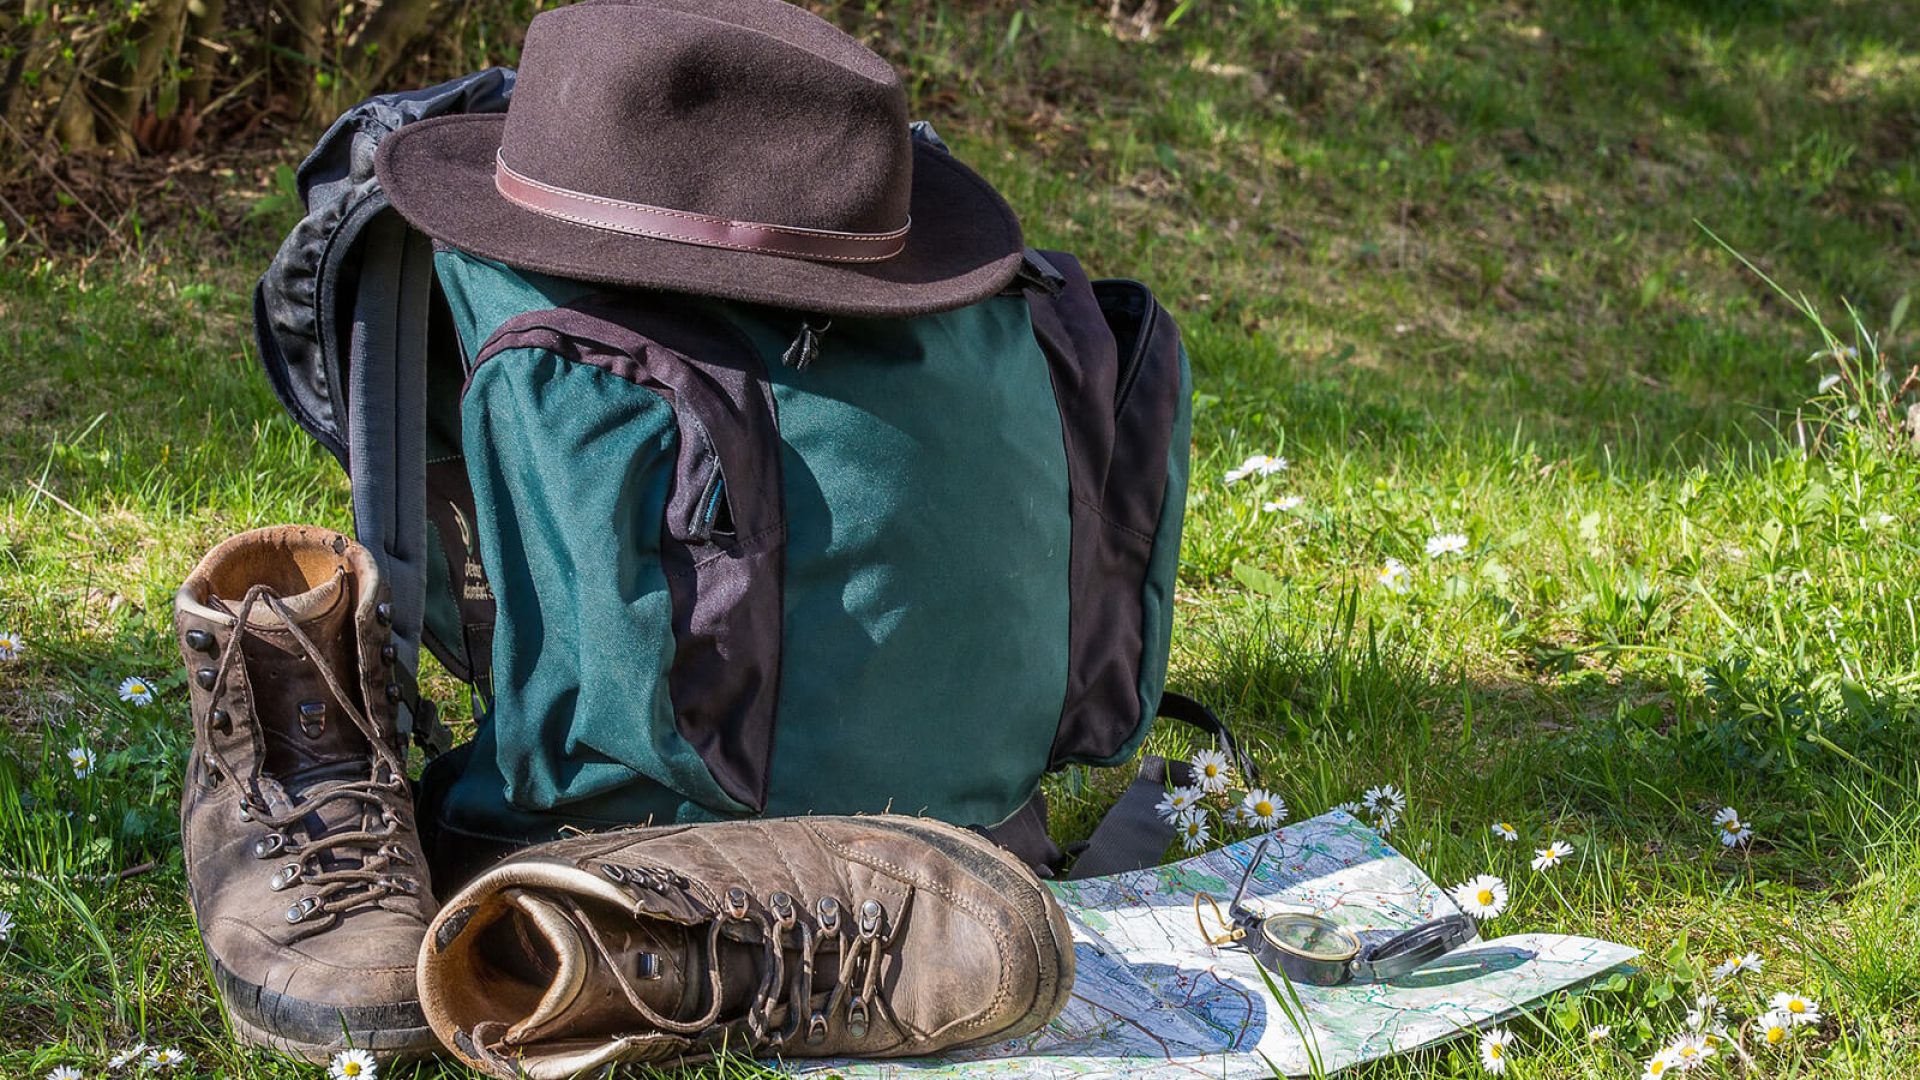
x=307 y=733
x=663 y=963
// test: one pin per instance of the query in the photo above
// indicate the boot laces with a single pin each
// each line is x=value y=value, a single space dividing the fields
x=386 y=868
x=784 y=989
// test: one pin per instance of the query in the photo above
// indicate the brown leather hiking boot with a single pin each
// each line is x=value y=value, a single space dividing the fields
x=796 y=937
x=302 y=860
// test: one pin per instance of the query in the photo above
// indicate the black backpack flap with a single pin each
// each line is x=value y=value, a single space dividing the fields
x=304 y=301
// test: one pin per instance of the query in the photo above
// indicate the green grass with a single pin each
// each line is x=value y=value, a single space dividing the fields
x=1448 y=259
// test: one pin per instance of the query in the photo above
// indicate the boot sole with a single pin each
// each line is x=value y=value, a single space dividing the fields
x=1051 y=934
x=315 y=1032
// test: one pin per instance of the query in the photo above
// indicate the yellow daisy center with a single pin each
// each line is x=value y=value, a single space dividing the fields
x=1689 y=1052
x=1485 y=896
x=1731 y=826
x=1796 y=1006
x=1656 y=1067
x=1212 y=770
x=1775 y=1034
x=1504 y=827
x=1262 y=809
x=351 y=1068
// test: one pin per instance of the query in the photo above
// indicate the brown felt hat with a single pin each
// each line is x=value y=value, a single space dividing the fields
x=743 y=149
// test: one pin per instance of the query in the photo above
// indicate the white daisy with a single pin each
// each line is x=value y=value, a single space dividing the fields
x=1384 y=821
x=1257 y=465
x=1659 y=1065
x=1775 y=1028
x=1690 y=1051
x=1493 y=1050
x=353 y=1065
x=164 y=1058
x=1599 y=1033
x=1828 y=382
x=1733 y=831
x=11 y=645
x=1485 y=897
x=1707 y=1014
x=1552 y=855
x=65 y=1072
x=124 y=1058
x=1177 y=802
x=1738 y=965
x=1505 y=831
x=1394 y=575
x=1446 y=544
x=1281 y=505
x=6 y=924
x=1263 y=808
x=1352 y=808
x=1801 y=1010
x=1211 y=771
x=1385 y=799
x=136 y=690
x=82 y=761
x=1194 y=833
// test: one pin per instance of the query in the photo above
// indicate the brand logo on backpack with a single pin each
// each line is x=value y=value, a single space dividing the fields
x=473 y=578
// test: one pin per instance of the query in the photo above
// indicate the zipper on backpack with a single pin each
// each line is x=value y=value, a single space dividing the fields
x=710 y=514
x=806 y=345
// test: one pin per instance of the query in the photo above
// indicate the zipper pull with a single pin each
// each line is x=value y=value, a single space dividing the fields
x=806 y=347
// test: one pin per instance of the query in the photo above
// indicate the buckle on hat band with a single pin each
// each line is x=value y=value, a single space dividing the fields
x=684 y=227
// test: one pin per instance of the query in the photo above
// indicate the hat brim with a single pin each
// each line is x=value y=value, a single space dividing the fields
x=963 y=247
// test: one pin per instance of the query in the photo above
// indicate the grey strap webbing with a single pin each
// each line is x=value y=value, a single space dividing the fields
x=1133 y=835
x=386 y=432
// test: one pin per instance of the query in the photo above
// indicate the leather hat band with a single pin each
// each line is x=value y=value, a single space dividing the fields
x=680 y=226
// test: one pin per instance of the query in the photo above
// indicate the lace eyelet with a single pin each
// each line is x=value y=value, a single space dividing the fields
x=284 y=877
x=269 y=845
x=737 y=903
x=817 y=1028
x=857 y=1018
x=303 y=909
x=613 y=873
x=782 y=906
x=828 y=910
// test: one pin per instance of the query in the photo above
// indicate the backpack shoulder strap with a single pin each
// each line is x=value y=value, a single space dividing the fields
x=341 y=319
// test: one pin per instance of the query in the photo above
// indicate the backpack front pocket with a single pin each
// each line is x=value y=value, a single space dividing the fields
x=627 y=478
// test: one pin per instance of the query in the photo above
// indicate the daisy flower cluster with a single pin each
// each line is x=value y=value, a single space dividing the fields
x=1397 y=578
x=138 y=1057
x=1707 y=1026
x=1380 y=807
x=1260 y=467
x=1210 y=805
x=1257 y=467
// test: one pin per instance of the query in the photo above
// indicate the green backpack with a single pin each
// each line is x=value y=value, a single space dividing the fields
x=703 y=559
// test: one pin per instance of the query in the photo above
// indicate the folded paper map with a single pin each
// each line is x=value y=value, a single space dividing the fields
x=1152 y=999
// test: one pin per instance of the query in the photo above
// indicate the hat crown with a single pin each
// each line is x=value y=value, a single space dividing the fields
x=747 y=110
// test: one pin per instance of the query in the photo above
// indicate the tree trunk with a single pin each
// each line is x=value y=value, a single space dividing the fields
x=304 y=33
x=381 y=42
x=127 y=80
x=24 y=35
x=205 y=21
